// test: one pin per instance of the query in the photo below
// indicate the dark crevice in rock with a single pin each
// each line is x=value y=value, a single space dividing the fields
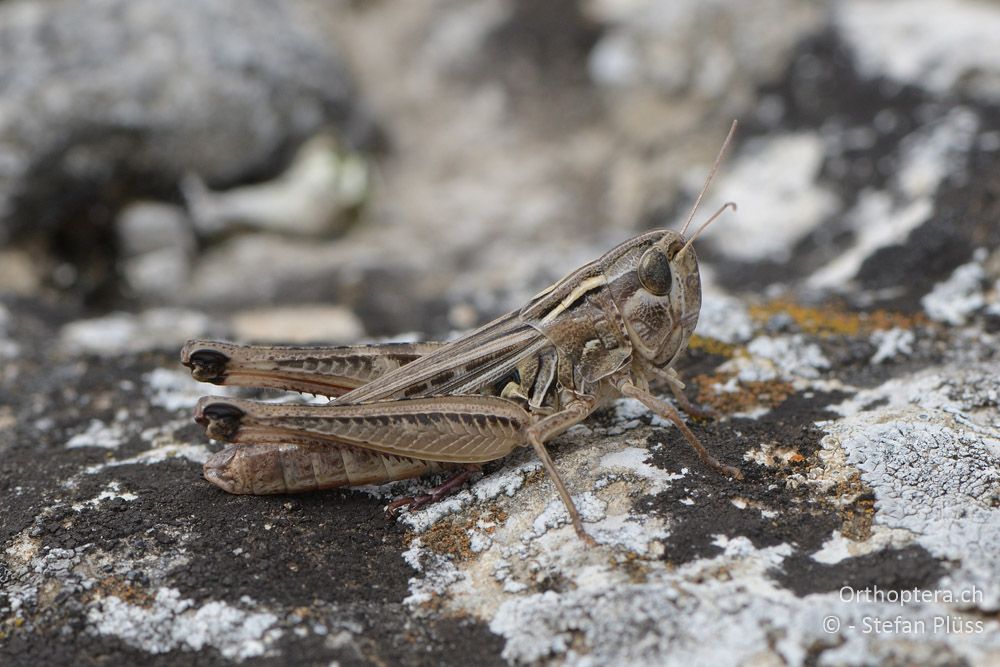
x=800 y=519
x=889 y=570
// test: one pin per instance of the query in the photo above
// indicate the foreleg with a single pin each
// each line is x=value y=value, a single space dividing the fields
x=667 y=411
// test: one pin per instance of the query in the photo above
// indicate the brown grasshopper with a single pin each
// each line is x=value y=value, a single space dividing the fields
x=404 y=410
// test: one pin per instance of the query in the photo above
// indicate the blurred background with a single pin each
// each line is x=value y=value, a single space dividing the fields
x=331 y=171
x=344 y=171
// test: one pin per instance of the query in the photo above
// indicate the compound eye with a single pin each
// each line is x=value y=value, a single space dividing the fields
x=654 y=272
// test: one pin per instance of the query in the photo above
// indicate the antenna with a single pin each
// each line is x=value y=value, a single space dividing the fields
x=722 y=209
x=708 y=181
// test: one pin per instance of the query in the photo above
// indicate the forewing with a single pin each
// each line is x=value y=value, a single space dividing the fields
x=463 y=366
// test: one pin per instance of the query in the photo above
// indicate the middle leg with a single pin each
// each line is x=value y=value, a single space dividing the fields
x=574 y=413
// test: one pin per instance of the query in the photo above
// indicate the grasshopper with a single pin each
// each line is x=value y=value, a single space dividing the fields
x=404 y=410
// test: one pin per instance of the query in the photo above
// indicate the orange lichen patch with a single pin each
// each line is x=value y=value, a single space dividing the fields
x=857 y=519
x=454 y=538
x=449 y=538
x=711 y=346
x=854 y=502
x=10 y=625
x=123 y=590
x=534 y=477
x=833 y=319
x=634 y=564
x=773 y=455
x=739 y=396
x=303 y=613
x=494 y=518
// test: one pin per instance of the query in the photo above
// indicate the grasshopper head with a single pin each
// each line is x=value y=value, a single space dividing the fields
x=660 y=297
x=661 y=305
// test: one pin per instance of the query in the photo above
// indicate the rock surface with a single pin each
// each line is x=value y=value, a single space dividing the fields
x=848 y=342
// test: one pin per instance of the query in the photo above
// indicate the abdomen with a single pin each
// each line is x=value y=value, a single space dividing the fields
x=290 y=468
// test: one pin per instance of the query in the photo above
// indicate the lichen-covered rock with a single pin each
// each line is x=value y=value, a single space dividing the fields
x=848 y=346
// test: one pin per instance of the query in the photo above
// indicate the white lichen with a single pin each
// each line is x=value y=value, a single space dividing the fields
x=787 y=357
x=937 y=479
x=933 y=464
x=633 y=460
x=892 y=343
x=98 y=434
x=959 y=296
x=111 y=491
x=501 y=483
x=439 y=573
x=724 y=318
x=555 y=515
x=172 y=622
x=721 y=611
x=838 y=548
